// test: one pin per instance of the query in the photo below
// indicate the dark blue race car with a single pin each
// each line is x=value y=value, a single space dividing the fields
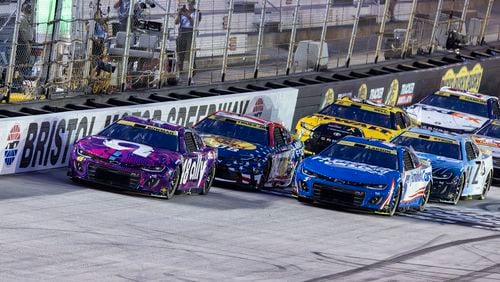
x=365 y=174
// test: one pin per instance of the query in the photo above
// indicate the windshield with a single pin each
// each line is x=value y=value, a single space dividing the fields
x=155 y=137
x=361 y=153
x=359 y=115
x=492 y=130
x=246 y=131
x=433 y=145
x=455 y=103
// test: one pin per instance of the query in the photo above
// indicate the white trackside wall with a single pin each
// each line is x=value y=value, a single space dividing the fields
x=44 y=141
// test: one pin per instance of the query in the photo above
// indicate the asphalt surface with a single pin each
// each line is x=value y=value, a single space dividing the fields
x=52 y=229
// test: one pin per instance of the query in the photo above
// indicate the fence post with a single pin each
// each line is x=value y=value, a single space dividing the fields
x=54 y=37
x=434 y=27
x=259 y=39
x=463 y=17
x=163 y=45
x=409 y=27
x=381 y=30
x=293 y=34
x=13 y=50
x=126 y=49
x=192 y=55
x=226 y=42
x=353 y=34
x=323 y=34
x=485 y=23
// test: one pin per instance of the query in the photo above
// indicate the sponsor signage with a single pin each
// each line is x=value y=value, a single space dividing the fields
x=44 y=141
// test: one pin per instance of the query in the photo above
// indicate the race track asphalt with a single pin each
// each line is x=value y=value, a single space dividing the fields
x=52 y=229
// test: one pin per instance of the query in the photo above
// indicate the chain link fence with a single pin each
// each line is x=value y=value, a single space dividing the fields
x=59 y=48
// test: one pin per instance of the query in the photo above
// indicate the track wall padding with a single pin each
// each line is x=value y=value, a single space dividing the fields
x=403 y=88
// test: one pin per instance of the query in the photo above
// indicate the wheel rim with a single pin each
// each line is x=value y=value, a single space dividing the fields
x=208 y=183
x=426 y=197
x=487 y=185
x=459 y=189
x=173 y=182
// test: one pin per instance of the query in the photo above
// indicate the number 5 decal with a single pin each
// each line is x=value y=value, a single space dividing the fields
x=142 y=150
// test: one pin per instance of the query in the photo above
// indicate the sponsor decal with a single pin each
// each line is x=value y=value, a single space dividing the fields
x=138 y=149
x=465 y=79
x=348 y=164
x=377 y=94
x=234 y=144
x=365 y=146
x=44 y=141
x=10 y=151
x=407 y=93
x=392 y=95
x=329 y=98
x=193 y=169
x=363 y=92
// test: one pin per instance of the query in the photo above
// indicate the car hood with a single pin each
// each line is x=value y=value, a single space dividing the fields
x=126 y=152
x=368 y=130
x=350 y=171
x=231 y=148
x=439 y=161
x=445 y=118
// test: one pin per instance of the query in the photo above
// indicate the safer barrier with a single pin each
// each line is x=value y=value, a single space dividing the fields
x=36 y=136
x=39 y=142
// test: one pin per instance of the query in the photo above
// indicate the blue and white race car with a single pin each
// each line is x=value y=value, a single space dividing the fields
x=365 y=174
x=459 y=167
x=454 y=110
x=488 y=138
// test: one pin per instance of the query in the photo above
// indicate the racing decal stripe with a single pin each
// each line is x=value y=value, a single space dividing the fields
x=429 y=137
x=365 y=107
x=388 y=197
x=420 y=192
x=375 y=148
x=240 y=122
x=150 y=127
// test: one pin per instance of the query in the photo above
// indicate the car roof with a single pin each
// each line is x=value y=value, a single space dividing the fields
x=242 y=117
x=152 y=122
x=370 y=105
x=372 y=142
x=464 y=93
x=453 y=137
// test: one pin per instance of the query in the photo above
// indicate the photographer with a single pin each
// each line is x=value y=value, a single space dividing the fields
x=185 y=19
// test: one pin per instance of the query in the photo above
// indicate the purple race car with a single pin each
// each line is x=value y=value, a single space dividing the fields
x=145 y=156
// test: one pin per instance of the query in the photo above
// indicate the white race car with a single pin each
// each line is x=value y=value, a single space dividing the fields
x=488 y=137
x=453 y=110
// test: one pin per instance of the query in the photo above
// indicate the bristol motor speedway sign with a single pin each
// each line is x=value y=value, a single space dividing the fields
x=44 y=141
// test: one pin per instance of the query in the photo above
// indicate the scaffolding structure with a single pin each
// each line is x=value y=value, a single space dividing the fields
x=58 y=48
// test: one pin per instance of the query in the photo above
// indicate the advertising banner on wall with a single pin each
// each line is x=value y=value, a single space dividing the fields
x=40 y=142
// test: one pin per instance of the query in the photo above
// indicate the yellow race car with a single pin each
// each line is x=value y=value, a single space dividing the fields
x=350 y=116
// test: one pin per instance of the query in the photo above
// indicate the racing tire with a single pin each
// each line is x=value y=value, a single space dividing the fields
x=208 y=183
x=305 y=200
x=265 y=175
x=425 y=198
x=460 y=189
x=395 y=202
x=173 y=184
x=486 y=187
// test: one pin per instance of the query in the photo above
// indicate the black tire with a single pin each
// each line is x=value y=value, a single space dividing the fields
x=486 y=187
x=173 y=184
x=427 y=195
x=305 y=200
x=459 y=190
x=395 y=202
x=208 y=183
x=265 y=175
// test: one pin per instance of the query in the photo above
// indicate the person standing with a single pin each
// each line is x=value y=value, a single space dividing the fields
x=392 y=7
x=123 y=7
x=24 y=40
x=185 y=19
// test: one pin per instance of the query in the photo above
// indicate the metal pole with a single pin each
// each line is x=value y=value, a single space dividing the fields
x=409 y=28
x=382 y=29
x=13 y=50
x=193 y=44
x=126 y=49
x=353 y=34
x=54 y=37
x=163 y=45
x=259 y=39
x=463 y=17
x=323 y=34
x=434 y=27
x=226 y=43
x=293 y=34
x=485 y=23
